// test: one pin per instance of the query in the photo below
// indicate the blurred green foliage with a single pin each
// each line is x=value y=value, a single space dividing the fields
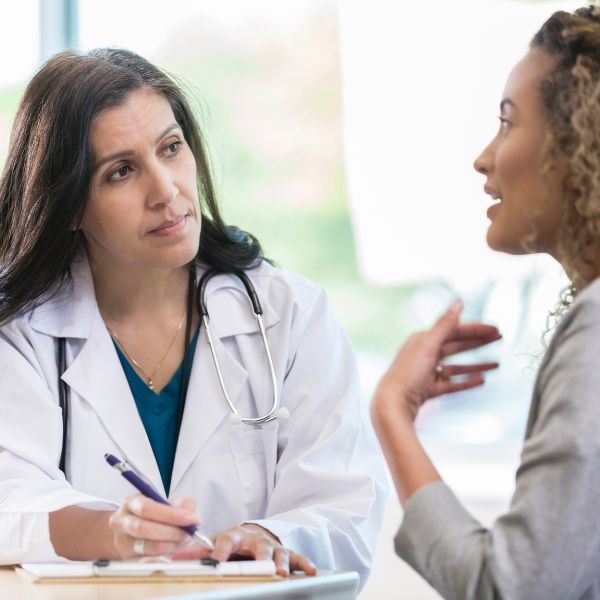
x=318 y=242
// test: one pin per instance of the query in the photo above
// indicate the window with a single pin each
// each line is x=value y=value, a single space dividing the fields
x=19 y=44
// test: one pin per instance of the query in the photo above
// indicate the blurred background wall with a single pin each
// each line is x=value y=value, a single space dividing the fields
x=342 y=134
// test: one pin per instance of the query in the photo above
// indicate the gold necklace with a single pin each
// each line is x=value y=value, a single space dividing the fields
x=150 y=378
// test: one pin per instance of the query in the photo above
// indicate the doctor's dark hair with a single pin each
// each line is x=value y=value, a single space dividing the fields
x=46 y=179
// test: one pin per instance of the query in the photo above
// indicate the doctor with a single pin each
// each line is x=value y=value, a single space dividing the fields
x=107 y=220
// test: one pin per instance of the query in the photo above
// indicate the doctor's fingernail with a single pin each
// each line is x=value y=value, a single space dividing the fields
x=191 y=517
x=456 y=305
x=136 y=505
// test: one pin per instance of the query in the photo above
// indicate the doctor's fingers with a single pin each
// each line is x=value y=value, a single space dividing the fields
x=287 y=561
x=149 y=510
x=135 y=527
x=230 y=542
x=127 y=547
x=184 y=502
x=244 y=541
x=299 y=562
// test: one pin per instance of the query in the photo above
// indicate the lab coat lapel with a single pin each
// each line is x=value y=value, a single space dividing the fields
x=206 y=407
x=97 y=376
x=95 y=373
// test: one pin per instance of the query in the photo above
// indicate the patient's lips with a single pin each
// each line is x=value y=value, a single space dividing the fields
x=490 y=191
x=494 y=195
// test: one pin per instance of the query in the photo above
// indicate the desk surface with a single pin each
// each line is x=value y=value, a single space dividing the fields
x=325 y=586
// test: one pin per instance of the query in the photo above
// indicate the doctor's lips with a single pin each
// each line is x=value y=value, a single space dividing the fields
x=170 y=226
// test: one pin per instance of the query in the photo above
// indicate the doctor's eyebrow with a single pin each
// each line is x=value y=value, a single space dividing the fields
x=167 y=130
x=128 y=153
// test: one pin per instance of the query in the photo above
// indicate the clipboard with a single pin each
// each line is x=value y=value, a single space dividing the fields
x=186 y=571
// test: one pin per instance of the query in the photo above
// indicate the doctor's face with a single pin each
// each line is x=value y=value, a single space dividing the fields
x=143 y=208
x=526 y=216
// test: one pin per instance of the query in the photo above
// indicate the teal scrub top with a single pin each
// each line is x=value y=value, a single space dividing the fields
x=159 y=412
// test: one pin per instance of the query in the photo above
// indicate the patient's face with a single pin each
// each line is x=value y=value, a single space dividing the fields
x=526 y=214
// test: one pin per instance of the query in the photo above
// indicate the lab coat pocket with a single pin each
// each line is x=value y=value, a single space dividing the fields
x=254 y=451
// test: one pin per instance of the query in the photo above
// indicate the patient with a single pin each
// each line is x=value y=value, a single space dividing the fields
x=542 y=169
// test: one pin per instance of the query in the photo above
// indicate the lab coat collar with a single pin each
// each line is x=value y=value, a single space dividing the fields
x=229 y=307
x=71 y=312
x=96 y=374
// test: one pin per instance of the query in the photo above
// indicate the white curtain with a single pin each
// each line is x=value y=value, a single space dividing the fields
x=422 y=82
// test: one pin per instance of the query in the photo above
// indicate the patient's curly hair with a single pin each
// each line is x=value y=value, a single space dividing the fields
x=570 y=95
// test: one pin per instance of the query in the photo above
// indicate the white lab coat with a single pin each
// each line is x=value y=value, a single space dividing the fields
x=316 y=480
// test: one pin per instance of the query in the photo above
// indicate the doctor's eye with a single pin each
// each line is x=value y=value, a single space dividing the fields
x=119 y=174
x=172 y=148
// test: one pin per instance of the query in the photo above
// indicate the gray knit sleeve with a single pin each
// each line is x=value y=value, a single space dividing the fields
x=548 y=544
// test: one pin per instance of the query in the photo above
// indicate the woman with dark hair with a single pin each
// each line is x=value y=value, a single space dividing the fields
x=108 y=219
x=542 y=169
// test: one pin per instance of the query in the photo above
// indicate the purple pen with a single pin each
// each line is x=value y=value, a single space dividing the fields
x=145 y=488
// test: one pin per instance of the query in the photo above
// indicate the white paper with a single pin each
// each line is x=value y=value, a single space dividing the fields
x=70 y=569
x=139 y=568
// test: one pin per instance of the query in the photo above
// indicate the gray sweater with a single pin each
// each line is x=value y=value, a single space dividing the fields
x=548 y=544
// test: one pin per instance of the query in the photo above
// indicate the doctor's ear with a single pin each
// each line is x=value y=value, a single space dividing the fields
x=75 y=225
x=76 y=231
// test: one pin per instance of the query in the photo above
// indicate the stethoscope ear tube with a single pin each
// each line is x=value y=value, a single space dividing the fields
x=63 y=401
x=235 y=418
x=202 y=309
x=276 y=412
x=251 y=293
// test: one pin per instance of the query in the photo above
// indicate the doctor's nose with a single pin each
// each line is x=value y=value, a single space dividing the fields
x=162 y=188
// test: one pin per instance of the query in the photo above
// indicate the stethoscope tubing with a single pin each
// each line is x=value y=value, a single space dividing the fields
x=256 y=307
x=275 y=411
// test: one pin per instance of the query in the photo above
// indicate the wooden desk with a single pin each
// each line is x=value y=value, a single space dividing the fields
x=325 y=586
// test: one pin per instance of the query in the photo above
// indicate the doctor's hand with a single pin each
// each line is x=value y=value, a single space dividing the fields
x=252 y=541
x=143 y=527
x=416 y=374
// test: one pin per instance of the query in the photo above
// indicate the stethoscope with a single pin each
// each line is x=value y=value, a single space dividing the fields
x=273 y=413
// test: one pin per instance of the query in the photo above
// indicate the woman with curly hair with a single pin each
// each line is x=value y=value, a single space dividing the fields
x=543 y=171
